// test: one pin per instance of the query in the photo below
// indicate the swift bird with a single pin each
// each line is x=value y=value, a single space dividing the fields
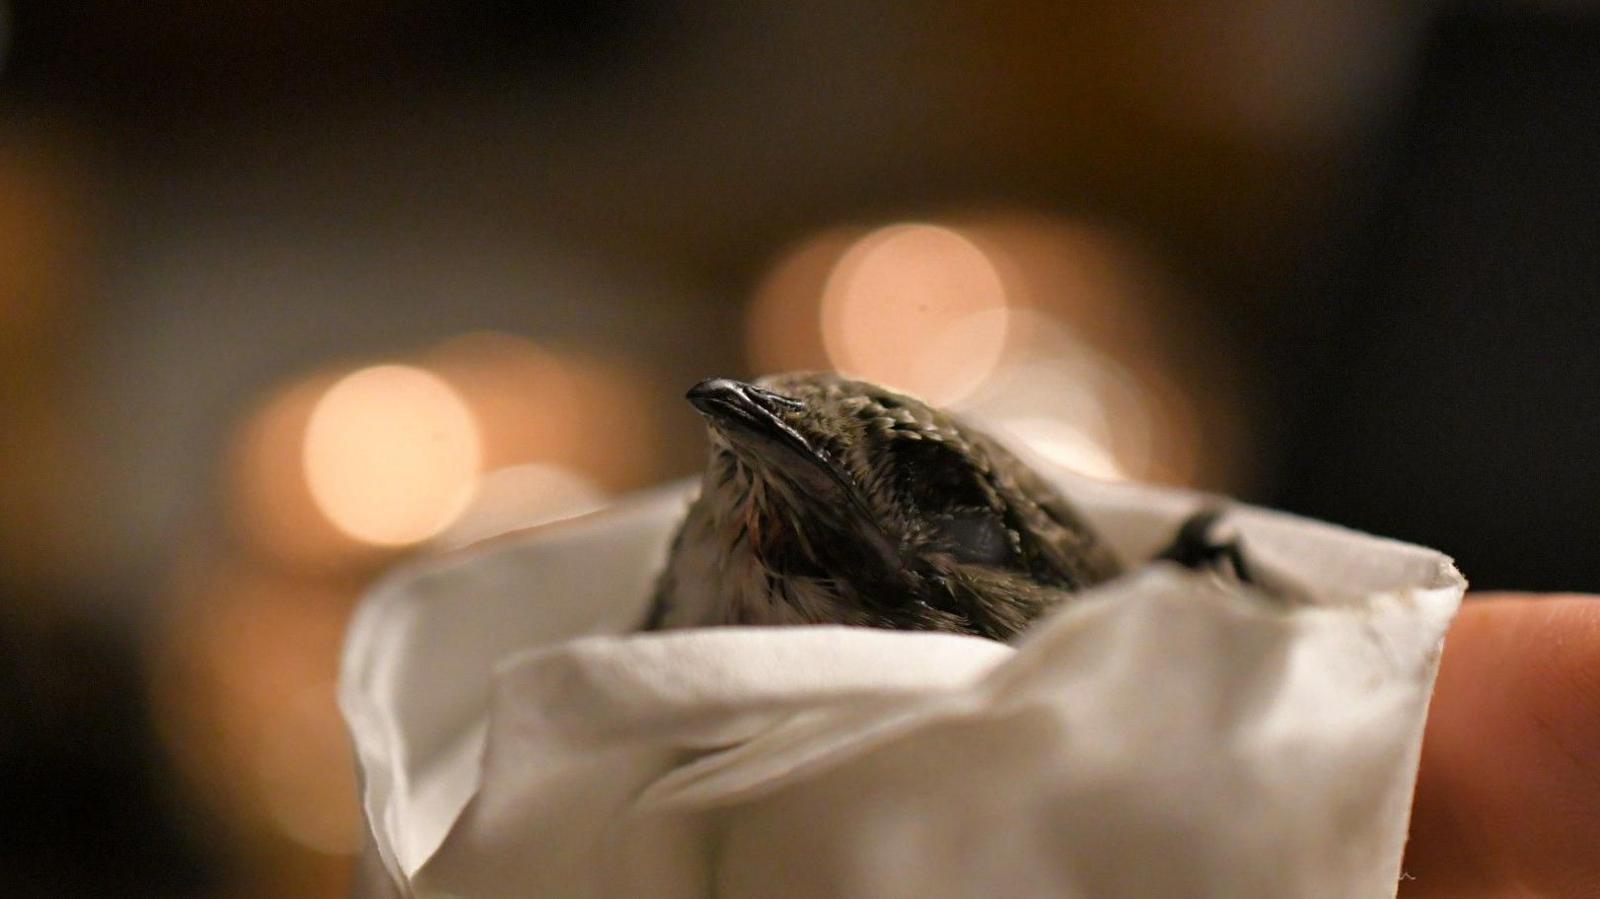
x=832 y=501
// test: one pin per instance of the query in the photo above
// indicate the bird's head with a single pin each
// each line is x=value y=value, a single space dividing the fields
x=835 y=500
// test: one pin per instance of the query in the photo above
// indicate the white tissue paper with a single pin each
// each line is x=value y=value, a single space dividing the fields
x=1165 y=735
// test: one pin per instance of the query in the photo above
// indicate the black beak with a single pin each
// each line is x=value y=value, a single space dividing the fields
x=745 y=410
x=753 y=419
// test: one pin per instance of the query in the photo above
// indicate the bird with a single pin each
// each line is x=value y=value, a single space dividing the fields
x=827 y=500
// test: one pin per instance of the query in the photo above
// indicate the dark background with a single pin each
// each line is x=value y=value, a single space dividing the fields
x=1344 y=256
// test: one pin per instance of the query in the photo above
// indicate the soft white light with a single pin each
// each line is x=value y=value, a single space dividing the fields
x=1061 y=443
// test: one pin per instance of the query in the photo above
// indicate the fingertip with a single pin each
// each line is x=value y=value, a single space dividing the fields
x=1508 y=796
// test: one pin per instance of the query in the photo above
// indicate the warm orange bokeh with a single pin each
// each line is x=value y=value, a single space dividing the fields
x=243 y=686
x=1057 y=332
x=560 y=408
x=391 y=454
x=918 y=307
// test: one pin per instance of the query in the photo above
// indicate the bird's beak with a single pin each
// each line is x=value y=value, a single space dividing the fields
x=756 y=421
x=749 y=414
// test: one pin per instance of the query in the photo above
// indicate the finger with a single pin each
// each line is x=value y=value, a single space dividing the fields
x=1508 y=796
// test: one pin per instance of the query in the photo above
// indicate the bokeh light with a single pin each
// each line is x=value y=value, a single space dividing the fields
x=521 y=496
x=561 y=408
x=340 y=467
x=1078 y=274
x=269 y=503
x=1070 y=404
x=1062 y=334
x=305 y=795
x=919 y=307
x=243 y=687
x=391 y=454
x=522 y=395
x=1068 y=446
x=783 y=328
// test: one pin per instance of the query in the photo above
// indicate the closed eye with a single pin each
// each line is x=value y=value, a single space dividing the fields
x=976 y=537
x=934 y=476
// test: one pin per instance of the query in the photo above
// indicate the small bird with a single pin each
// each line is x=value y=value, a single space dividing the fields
x=832 y=501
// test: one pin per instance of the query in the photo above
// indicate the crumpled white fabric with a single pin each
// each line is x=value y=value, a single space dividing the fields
x=1167 y=734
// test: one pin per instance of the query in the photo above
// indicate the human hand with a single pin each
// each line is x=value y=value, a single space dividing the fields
x=1508 y=797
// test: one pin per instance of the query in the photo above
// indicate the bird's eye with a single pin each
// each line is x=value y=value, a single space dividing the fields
x=941 y=483
x=936 y=477
x=976 y=537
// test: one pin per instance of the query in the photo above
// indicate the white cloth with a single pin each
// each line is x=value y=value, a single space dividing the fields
x=1165 y=735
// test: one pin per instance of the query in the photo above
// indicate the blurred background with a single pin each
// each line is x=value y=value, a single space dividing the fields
x=289 y=291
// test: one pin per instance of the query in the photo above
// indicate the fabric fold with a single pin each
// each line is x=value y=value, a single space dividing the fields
x=1165 y=734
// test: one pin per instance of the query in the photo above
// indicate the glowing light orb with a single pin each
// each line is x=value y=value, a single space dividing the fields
x=391 y=454
x=919 y=307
